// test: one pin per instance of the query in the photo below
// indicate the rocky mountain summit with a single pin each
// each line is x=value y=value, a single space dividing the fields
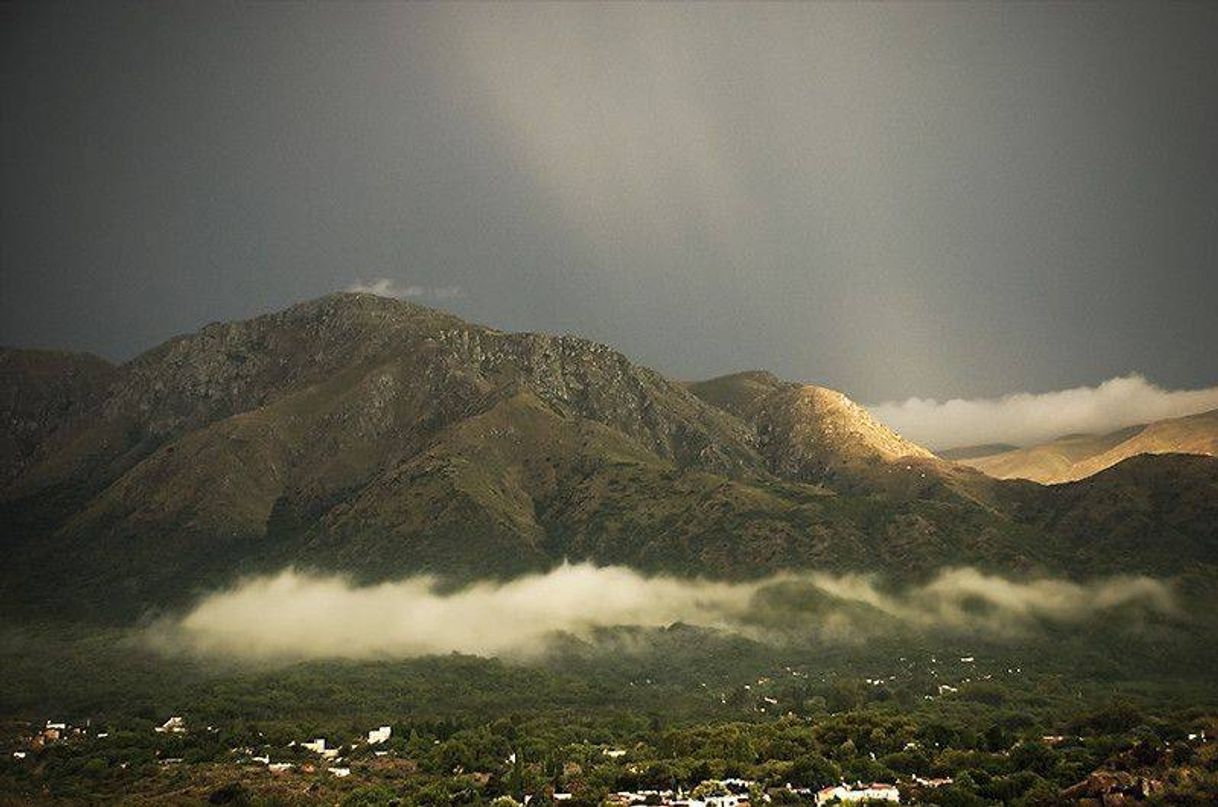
x=818 y=435
x=379 y=438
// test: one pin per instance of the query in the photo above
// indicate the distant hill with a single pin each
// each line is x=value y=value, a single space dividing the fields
x=380 y=438
x=1080 y=455
x=972 y=452
x=1156 y=514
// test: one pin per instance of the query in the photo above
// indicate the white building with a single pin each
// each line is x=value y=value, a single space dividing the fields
x=381 y=735
x=316 y=746
x=174 y=725
x=340 y=772
x=876 y=791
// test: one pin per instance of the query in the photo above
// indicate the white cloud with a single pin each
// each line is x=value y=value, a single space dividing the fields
x=388 y=287
x=385 y=287
x=447 y=292
x=300 y=615
x=1029 y=418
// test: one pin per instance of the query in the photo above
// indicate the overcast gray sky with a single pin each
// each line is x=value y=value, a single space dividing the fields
x=894 y=200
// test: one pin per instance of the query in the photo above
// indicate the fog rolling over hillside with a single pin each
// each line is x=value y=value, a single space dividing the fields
x=291 y=615
x=379 y=439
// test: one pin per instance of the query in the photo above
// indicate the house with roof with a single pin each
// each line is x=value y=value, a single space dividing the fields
x=844 y=793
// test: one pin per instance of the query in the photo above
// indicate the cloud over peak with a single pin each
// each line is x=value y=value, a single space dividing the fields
x=388 y=287
x=1025 y=418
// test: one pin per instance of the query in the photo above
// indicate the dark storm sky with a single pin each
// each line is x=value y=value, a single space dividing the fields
x=897 y=200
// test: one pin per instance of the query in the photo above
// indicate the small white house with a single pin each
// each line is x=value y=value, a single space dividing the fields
x=316 y=746
x=381 y=735
x=341 y=773
x=174 y=725
x=875 y=791
x=729 y=800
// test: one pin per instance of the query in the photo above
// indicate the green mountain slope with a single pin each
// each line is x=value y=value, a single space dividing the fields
x=42 y=392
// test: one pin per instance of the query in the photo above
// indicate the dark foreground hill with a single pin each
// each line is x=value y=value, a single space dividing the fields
x=380 y=438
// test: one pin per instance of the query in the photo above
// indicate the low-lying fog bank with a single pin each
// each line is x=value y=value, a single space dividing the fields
x=297 y=615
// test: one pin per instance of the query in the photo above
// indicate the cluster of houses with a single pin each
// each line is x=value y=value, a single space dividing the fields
x=735 y=793
x=52 y=732
x=874 y=791
x=727 y=793
x=377 y=736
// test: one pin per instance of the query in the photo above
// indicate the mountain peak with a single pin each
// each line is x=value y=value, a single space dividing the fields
x=847 y=427
x=806 y=431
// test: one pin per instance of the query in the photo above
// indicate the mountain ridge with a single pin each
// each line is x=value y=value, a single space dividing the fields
x=380 y=438
x=1076 y=456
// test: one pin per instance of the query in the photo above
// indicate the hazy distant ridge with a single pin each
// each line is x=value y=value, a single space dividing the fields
x=1078 y=456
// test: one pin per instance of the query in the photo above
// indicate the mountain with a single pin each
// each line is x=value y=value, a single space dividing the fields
x=379 y=438
x=1078 y=456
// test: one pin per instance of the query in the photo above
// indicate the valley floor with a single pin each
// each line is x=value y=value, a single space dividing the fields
x=664 y=715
